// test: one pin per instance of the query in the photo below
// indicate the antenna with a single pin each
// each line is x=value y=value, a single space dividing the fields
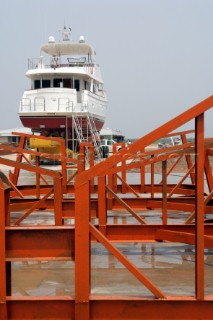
x=66 y=32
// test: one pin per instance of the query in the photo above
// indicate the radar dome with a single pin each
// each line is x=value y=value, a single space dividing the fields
x=81 y=39
x=51 y=39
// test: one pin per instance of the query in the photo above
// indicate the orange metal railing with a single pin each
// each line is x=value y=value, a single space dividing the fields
x=82 y=213
x=98 y=190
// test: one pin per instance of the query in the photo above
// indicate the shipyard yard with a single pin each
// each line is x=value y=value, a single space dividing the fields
x=171 y=266
x=132 y=232
x=95 y=226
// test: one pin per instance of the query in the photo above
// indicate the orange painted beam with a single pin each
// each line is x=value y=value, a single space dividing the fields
x=182 y=237
x=46 y=308
x=4 y=201
x=132 y=308
x=82 y=253
x=27 y=167
x=148 y=232
x=178 y=133
x=39 y=243
x=199 y=205
x=184 y=189
x=139 y=204
x=107 y=308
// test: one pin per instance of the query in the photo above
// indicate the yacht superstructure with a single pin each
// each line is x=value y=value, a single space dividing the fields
x=67 y=96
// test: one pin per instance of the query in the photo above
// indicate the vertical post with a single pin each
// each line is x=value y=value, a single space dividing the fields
x=82 y=252
x=115 y=183
x=123 y=172
x=7 y=207
x=208 y=172
x=188 y=159
x=91 y=155
x=152 y=177
x=37 y=178
x=102 y=211
x=199 y=205
x=63 y=165
x=109 y=195
x=91 y=163
x=14 y=176
x=142 y=172
x=81 y=164
x=58 y=196
x=164 y=191
x=3 y=278
x=123 y=175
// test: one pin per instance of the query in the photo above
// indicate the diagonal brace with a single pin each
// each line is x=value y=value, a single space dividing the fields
x=133 y=213
x=35 y=206
x=128 y=264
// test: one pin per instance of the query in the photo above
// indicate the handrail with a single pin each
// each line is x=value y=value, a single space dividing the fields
x=146 y=140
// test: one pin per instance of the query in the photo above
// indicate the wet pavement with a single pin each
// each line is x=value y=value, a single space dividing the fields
x=170 y=266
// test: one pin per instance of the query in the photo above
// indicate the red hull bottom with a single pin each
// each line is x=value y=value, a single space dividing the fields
x=44 y=123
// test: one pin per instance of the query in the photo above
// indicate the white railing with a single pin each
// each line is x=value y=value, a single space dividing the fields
x=39 y=103
x=25 y=105
x=63 y=105
x=88 y=101
x=35 y=63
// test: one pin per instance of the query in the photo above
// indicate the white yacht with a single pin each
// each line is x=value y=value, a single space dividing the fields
x=66 y=97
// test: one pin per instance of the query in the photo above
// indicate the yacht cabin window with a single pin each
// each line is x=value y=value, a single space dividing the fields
x=86 y=85
x=37 y=84
x=62 y=83
x=77 y=85
x=67 y=83
x=46 y=84
x=57 y=82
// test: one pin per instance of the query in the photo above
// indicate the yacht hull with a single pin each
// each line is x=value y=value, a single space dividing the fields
x=37 y=123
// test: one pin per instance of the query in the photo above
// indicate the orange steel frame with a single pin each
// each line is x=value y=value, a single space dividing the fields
x=108 y=180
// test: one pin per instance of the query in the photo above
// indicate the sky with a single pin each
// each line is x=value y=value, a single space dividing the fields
x=156 y=56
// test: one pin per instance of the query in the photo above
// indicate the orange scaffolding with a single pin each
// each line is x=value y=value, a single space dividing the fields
x=87 y=196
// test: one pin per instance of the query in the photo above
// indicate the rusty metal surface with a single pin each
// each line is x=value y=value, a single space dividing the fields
x=110 y=240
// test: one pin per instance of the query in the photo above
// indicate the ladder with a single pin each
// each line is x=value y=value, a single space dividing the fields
x=95 y=135
x=79 y=134
x=78 y=129
x=91 y=130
